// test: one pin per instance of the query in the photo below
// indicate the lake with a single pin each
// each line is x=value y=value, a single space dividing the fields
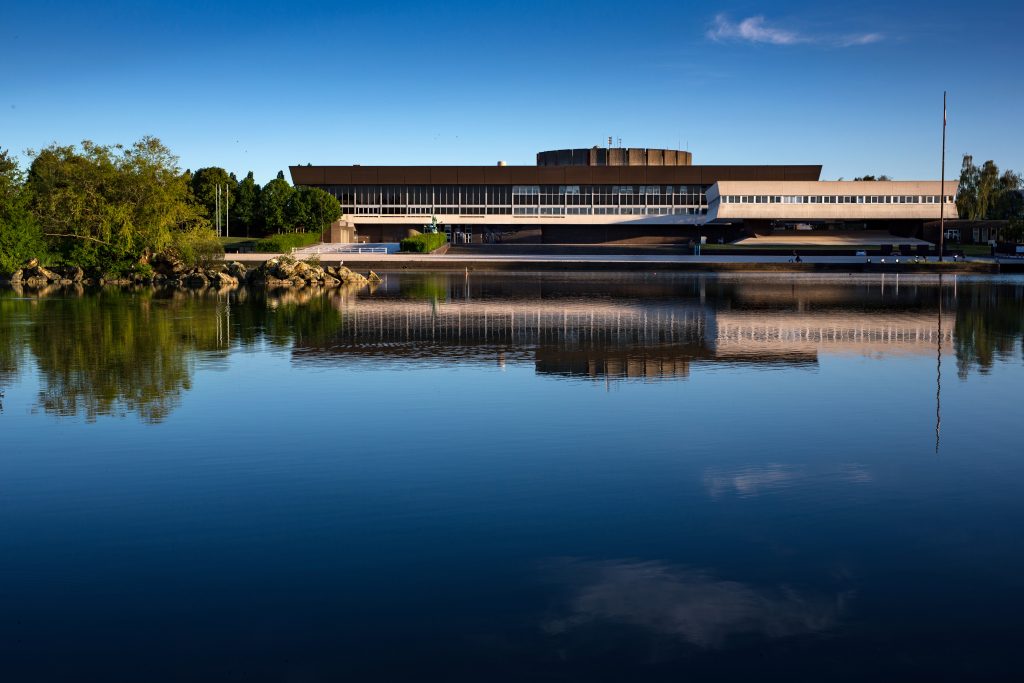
x=555 y=477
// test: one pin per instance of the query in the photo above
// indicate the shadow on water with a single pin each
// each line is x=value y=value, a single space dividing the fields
x=118 y=352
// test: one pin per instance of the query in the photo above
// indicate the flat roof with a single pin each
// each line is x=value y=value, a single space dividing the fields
x=546 y=175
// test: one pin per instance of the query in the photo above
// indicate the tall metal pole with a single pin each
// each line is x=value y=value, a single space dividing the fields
x=216 y=209
x=227 y=207
x=942 y=183
x=938 y=372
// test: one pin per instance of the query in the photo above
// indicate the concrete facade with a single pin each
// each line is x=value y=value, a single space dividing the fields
x=829 y=201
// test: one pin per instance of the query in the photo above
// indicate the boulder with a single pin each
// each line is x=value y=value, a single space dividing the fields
x=237 y=270
x=167 y=265
x=196 y=279
x=373 y=277
x=283 y=267
x=17 y=276
x=351 y=278
x=40 y=273
x=224 y=280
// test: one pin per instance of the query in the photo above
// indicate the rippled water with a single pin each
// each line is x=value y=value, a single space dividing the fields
x=532 y=477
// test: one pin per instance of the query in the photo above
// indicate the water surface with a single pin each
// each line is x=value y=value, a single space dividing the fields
x=530 y=477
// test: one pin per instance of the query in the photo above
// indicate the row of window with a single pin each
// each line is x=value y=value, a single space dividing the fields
x=833 y=199
x=526 y=210
x=608 y=211
x=386 y=198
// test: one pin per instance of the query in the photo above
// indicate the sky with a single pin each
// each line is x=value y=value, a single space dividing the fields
x=856 y=87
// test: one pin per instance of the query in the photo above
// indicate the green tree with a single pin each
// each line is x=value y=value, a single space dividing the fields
x=20 y=237
x=205 y=182
x=247 y=207
x=273 y=204
x=111 y=207
x=1008 y=203
x=312 y=209
x=871 y=177
x=984 y=193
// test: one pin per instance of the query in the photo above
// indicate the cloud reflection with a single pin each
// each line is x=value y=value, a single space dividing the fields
x=755 y=480
x=689 y=604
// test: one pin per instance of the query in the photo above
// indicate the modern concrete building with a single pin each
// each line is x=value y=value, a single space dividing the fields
x=612 y=195
x=900 y=207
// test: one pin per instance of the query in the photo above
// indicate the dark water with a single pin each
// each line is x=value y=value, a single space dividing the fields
x=516 y=478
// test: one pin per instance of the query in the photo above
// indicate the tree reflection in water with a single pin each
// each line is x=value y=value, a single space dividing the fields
x=119 y=352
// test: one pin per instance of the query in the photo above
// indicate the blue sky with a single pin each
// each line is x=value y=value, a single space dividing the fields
x=257 y=86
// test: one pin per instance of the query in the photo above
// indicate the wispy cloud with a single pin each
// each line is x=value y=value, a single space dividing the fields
x=756 y=30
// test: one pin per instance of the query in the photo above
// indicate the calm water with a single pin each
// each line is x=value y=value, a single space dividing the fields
x=540 y=477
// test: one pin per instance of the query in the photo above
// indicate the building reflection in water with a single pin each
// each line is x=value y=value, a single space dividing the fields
x=117 y=352
x=632 y=329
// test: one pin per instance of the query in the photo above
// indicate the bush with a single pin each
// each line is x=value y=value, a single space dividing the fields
x=20 y=242
x=424 y=243
x=197 y=247
x=284 y=242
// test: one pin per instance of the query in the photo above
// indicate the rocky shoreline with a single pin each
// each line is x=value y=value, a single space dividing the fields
x=282 y=272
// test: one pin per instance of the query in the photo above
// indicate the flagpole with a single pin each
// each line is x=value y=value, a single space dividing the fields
x=942 y=183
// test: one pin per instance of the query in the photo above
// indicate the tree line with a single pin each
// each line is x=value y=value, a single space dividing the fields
x=987 y=194
x=256 y=211
x=112 y=208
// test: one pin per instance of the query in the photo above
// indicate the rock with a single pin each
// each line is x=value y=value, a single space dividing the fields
x=351 y=278
x=224 y=280
x=167 y=265
x=74 y=273
x=17 y=276
x=237 y=270
x=373 y=277
x=196 y=279
x=330 y=281
x=31 y=263
x=283 y=267
x=40 y=273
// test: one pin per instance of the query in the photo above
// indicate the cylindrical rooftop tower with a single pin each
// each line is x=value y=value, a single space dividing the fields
x=615 y=156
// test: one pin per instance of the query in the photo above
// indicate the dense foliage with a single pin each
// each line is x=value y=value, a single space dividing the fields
x=20 y=237
x=424 y=243
x=284 y=242
x=987 y=194
x=110 y=208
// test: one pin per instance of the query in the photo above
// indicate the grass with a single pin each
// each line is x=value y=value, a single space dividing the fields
x=235 y=241
x=970 y=249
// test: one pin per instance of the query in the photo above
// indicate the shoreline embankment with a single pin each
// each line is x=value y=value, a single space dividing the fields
x=648 y=263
